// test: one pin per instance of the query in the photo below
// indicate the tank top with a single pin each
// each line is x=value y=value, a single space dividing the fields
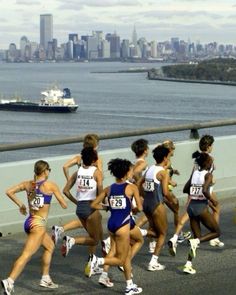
x=152 y=186
x=40 y=198
x=119 y=203
x=86 y=184
x=197 y=181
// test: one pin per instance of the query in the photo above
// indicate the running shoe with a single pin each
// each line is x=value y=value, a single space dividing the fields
x=193 y=247
x=105 y=281
x=106 y=246
x=91 y=265
x=172 y=247
x=216 y=243
x=152 y=246
x=56 y=233
x=66 y=246
x=189 y=269
x=184 y=236
x=155 y=266
x=7 y=287
x=48 y=284
x=133 y=289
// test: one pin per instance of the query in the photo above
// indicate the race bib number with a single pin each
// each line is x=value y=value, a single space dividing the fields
x=83 y=185
x=118 y=202
x=195 y=190
x=149 y=185
x=37 y=202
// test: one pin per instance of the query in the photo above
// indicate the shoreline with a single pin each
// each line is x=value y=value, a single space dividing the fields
x=191 y=81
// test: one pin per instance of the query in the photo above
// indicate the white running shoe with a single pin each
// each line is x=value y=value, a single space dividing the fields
x=155 y=266
x=184 y=236
x=7 y=287
x=91 y=265
x=56 y=233
x=105 y=281
x=67 y=245
x=193 y=247
x=152 y=246
x=172 y=247
x=133 y=289
x=106 y=246
x=48 y=284
x=216 y=243
x=189 y=269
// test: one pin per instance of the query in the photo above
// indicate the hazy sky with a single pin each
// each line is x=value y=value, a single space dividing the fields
x=204 y=20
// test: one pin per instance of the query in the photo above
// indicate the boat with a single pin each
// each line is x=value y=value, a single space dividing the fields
x=53 y=100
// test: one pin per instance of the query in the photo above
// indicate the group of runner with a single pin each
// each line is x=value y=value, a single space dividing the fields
x=138 y=187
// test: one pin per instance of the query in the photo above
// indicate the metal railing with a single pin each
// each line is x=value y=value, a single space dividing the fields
x=194 y=127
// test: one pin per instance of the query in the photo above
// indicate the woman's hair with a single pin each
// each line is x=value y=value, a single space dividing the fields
x=89 y=155
x=91 y=140
x=159 y=153
x=169 y=144
x=196 y=154
x=205 y=142
x=40 y=166
x=203 y=159
x=119 y=167
x=139 y=146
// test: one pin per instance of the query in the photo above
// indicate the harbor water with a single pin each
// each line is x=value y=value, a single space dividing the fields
x=107 y=102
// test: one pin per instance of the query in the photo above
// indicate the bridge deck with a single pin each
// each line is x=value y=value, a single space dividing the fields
x=216 y=268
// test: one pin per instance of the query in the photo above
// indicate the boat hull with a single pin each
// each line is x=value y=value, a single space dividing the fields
x=18 y=107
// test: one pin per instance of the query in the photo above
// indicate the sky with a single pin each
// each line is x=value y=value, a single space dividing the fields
x=197 y=20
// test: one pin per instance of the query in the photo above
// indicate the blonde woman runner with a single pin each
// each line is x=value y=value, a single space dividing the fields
x=39 y=194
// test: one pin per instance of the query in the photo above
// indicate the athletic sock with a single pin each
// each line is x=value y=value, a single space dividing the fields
x=154 y=259
x=46 y=278
x=129 y=283
x=104 y=274
x=10 y=280
x=188 y=263
x=100 y=261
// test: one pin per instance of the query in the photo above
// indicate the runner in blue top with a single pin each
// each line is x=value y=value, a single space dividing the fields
x=119 y=197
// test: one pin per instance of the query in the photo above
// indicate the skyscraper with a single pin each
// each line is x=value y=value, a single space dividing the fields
x=46 y=30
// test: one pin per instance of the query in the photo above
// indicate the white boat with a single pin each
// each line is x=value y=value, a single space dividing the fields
x=53 y=100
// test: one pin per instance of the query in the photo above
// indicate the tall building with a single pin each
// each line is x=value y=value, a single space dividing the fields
x=125 y=48
x=92 y=47
x=114 y=40
x=46 y=30
x=106 y=49
x=73 y=37
x=23 y=43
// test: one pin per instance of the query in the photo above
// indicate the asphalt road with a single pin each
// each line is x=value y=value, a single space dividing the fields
x=216 y=268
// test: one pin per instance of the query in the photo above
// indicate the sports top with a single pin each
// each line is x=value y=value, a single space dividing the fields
x=86 y=184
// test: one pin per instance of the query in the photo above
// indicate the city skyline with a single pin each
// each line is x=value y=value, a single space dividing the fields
x=155 y=20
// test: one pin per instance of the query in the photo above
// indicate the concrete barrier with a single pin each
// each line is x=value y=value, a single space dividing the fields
x=12 y=173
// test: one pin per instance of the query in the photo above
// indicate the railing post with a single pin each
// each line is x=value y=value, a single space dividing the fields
x=194 y=134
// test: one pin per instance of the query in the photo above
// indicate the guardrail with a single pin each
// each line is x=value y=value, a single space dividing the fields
x=194 y=127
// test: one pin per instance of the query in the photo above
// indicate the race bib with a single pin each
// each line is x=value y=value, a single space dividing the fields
x=118 y=202
x=83 y=185
x=149 y=185
x=37 y=202
x=196 y=190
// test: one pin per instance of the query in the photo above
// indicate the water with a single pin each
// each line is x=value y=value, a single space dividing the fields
x=107 y=102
